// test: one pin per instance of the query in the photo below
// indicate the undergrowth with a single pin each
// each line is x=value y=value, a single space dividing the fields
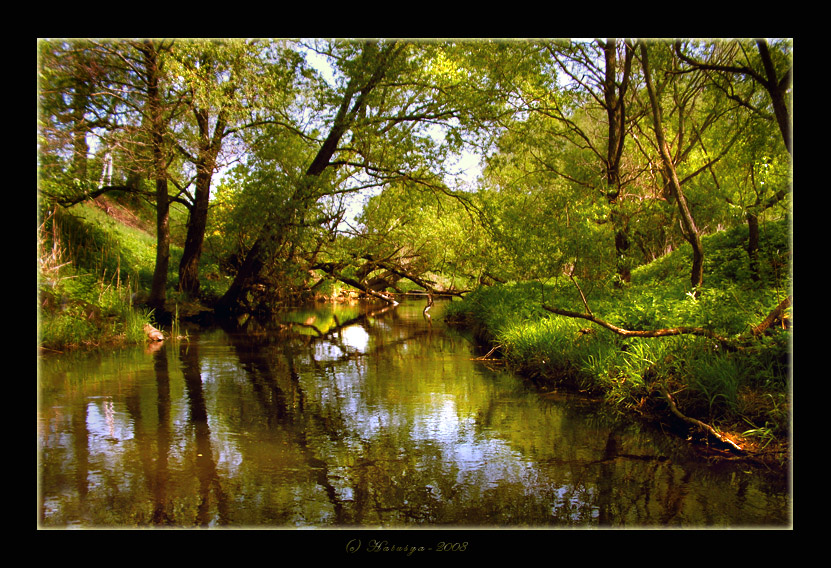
x=90 y=269
x=745 y=390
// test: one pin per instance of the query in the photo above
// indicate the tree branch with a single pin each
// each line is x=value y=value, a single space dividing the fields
x=695 y=422
x=681 y=330
x=773 y=316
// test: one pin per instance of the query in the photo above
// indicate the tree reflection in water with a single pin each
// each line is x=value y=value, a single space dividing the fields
x=357 y=417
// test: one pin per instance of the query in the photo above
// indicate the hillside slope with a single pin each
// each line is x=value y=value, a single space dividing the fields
x=95 y=260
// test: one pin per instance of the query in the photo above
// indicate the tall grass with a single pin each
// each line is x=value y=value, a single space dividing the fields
x=85 y=291
x=749 y=386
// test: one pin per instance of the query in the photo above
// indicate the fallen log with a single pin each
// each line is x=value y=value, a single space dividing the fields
x=332 y=270
x=773 y=316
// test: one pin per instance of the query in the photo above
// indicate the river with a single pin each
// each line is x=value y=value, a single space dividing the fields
x=355 y=416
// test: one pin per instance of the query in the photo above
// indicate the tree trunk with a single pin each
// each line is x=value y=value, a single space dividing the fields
x=232 y=301
x=197 y=222
x=690 y=230
x=777 y=87
x=378 y=62
x=154 y=107
x=159 y=285
x=615 y=113
x=752 y=217
x=616 y=136
x=209 y=147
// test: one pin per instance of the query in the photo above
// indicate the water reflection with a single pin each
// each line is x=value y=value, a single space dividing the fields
x=355 y=417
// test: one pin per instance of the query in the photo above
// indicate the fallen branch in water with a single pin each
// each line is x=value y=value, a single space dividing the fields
x=487 y=355
x=694 y=421
x=290 y=324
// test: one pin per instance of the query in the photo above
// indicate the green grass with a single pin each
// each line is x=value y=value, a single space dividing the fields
x=90 y=267
x=745 y=387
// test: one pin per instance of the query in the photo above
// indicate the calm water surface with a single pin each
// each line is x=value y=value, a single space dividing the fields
x=357 y=419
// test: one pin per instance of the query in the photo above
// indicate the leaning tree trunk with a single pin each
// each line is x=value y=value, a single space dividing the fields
x=231 y=303
x=357 y=92
x=690 y=230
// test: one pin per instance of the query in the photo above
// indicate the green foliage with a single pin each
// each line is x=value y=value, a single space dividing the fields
x=540 y=224
x=715 y=383
x=428 y=233
x=397 y=115
x=89 y=271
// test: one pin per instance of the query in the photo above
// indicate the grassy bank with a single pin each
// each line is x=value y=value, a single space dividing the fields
x=743 y=393
x=93 y=261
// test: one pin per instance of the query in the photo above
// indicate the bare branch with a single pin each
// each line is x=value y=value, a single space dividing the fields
x=665 y=332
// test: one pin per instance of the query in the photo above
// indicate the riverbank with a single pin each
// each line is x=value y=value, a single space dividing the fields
x=96 y=263
x=727 y=389
x=93 y=263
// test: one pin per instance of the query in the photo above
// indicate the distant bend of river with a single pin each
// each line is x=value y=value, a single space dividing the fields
x=361 y=417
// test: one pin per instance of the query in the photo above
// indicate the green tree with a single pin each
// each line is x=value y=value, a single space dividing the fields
x=429 y=238
x=134 y=109
x=738 y=69
x=158 y=128
x=75 y=105
x=690 y=229
x=587 y=93
x=398 y=111
x=366 y=71
x=228 y=83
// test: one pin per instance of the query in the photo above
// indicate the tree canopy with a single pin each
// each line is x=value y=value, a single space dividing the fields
x=305 y=162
